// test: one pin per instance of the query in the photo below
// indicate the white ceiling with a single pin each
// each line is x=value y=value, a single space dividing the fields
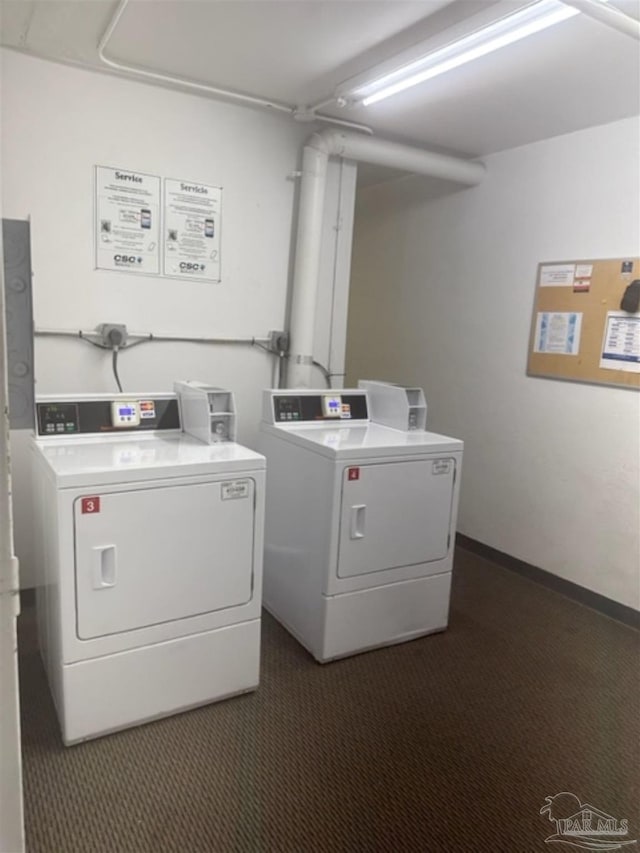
x=577 y=74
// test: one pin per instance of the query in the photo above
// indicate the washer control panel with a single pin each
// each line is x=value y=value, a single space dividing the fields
x=287 y=409
x=56 y=417
x=302 y=406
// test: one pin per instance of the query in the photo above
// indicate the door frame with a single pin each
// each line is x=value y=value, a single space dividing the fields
x=11 y=798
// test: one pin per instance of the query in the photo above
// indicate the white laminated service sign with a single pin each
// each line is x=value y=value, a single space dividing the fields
x=192 y=219
x=621 y=345
x=127 y=226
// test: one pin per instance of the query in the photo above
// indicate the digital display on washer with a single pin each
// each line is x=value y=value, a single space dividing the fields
x=125 y=414
x=332 y=405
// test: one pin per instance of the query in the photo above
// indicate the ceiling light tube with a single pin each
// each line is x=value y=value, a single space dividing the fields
x=532 y=19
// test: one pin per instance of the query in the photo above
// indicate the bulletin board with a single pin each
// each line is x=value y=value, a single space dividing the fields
x=578 y=331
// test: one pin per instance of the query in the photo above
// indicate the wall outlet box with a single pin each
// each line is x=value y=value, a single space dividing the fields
x=278 y=342
x=112 y=334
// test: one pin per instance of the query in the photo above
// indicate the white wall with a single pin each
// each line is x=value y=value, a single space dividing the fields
x=58 y=123
x=442 y=295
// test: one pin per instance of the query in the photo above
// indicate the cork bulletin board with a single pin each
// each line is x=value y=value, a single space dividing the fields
x=578 y=330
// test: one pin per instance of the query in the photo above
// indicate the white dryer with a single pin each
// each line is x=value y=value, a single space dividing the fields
x=149 y=550
x=360 y=523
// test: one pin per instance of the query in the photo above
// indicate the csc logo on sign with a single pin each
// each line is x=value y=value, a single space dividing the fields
x=186 y=266
x=127 y=259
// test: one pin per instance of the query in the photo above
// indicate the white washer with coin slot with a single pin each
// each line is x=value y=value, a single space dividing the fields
x=360 y=523
x=149 y=551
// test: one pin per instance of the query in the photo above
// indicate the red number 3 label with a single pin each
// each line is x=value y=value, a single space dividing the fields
x=90 y=505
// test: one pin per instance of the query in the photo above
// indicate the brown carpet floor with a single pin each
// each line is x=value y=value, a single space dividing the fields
x=447 y=743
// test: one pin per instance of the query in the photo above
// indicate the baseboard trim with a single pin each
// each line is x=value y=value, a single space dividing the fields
x=612 y=609
x=27 y=597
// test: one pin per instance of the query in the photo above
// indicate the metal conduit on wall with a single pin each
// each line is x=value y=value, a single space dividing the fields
x=271 y=345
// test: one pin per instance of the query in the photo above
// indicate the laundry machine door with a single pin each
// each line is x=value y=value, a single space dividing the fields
x=153 y=555
x=395 y=514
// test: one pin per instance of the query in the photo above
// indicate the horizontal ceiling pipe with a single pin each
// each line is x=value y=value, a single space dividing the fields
x=382 y=152
x=250 y=100
x=351 y=146
x=608 y=15
x=227 y=94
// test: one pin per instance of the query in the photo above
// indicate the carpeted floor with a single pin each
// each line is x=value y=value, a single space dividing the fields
x=448 y=743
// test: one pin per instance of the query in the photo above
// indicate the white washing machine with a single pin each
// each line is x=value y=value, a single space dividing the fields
x=360 y=523
x=150 y=547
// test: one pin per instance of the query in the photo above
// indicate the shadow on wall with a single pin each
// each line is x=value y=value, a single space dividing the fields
x=396 y=186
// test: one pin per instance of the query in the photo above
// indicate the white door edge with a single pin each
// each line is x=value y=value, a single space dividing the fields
x=11 y=809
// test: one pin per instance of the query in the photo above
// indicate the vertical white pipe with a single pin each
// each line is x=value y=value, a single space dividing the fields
x=306 y=271
x=307 y=266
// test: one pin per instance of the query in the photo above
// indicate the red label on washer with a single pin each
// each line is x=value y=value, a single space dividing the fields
x=90 y=505
x=353 y=474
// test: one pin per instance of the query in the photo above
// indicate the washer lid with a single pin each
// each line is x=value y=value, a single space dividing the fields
x=99 y=460
x=343 y=441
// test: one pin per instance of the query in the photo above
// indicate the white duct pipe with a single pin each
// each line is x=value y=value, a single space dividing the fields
x=381 y=152
x=351 y=146
x=608 y=15
x=307 y=264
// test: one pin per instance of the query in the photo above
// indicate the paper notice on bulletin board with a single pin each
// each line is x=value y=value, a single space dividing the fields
x=621 y=344
x=557 y=275
x=127 y=227
x=192 y=220
x=558 y=332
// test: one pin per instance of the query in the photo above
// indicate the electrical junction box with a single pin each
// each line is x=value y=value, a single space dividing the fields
x=396 y=406
x=19 y=322
x=112 y=334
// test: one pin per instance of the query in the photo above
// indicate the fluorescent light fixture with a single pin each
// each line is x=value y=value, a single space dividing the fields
x=532 y=19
